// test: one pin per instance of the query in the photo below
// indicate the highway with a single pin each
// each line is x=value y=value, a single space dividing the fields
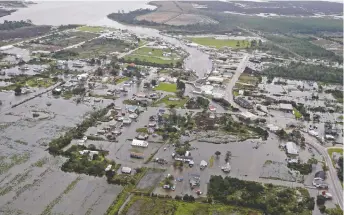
x=229 y=89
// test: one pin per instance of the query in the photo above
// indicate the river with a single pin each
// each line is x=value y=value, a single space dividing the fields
x=95 y=13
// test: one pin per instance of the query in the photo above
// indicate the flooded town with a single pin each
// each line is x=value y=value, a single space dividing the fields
x=165 y=108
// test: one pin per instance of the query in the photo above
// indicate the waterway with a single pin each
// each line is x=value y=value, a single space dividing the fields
x=95 y=13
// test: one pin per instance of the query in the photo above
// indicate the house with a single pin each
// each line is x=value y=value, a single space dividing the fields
x=212 y=108
x=142 y=136
x=139 y=143
x=226 y=167
x=243 y=102
x=320 y=175
x=285 y=107
x=132 y=108
x=203 y=164
x=151 y=124
x=248 y=116
x=133 y=116
x=108 y=168
x=126 y=121
x=291 y=149
x=126 y=170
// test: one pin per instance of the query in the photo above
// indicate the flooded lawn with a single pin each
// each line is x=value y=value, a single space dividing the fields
x=29 y=175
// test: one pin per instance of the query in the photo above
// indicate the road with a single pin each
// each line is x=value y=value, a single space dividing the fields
x=334 y=184
x=229 y=89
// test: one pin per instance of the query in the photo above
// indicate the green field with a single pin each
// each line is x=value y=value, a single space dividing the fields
x=167 y=87
x=93 y=29
x=151 y=55
x=156 y=206
x=219 y=43
x=180 y=103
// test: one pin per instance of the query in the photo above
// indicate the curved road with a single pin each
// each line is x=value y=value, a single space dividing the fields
x=334 y=184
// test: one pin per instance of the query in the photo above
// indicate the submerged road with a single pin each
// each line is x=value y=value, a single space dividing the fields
x=229 y=89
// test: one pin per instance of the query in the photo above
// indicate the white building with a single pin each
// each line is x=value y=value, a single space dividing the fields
x=140 y=143
x=291 y=148
x=126 y=170
x=215 y=79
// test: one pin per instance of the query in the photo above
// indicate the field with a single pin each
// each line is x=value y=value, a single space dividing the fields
x=59 y=40
x=176 y=103
x=100 y=46
x=93 y=29
x=175 y=14
x=167 y=87
x=156 y=206
x=220 y=43
x=154 y=56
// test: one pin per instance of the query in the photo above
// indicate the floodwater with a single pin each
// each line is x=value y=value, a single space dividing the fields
x=94 y=13
x=30 y=188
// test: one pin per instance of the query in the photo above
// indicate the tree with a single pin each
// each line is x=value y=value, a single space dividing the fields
x=99 y=72
x=228 y=156
x=153 y=82
x=217 y=153
x=17 y=91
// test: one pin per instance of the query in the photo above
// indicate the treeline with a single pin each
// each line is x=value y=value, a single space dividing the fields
x=146 y=63
x=276 y=7
x=10 y=25
x=130 y=17
x=269 y=199
x=56 y=145
x=309 y=72
x=303 y=47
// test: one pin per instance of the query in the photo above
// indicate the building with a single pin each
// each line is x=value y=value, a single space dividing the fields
x=243 y=102
x=248 y=116
x=215 y=79
x=132 y=108
x=126 y=121
x=126 y=170
x=285 y=107
x=139 y=143
x=291 y=149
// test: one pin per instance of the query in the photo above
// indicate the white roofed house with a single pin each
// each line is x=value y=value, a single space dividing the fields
x=286 y=107
x=126 y=170
x=291 y=149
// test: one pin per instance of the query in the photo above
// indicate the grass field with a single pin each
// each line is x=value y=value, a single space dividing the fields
x=180 y=103
x=219 y=43
x=120 y=80
x=93 y=29
x=150 y=206
x=332 y=150
x=248 y=79
x=167 y=87
x=152 y=55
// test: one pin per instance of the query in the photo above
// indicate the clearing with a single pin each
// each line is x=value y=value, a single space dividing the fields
x=93 y=29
